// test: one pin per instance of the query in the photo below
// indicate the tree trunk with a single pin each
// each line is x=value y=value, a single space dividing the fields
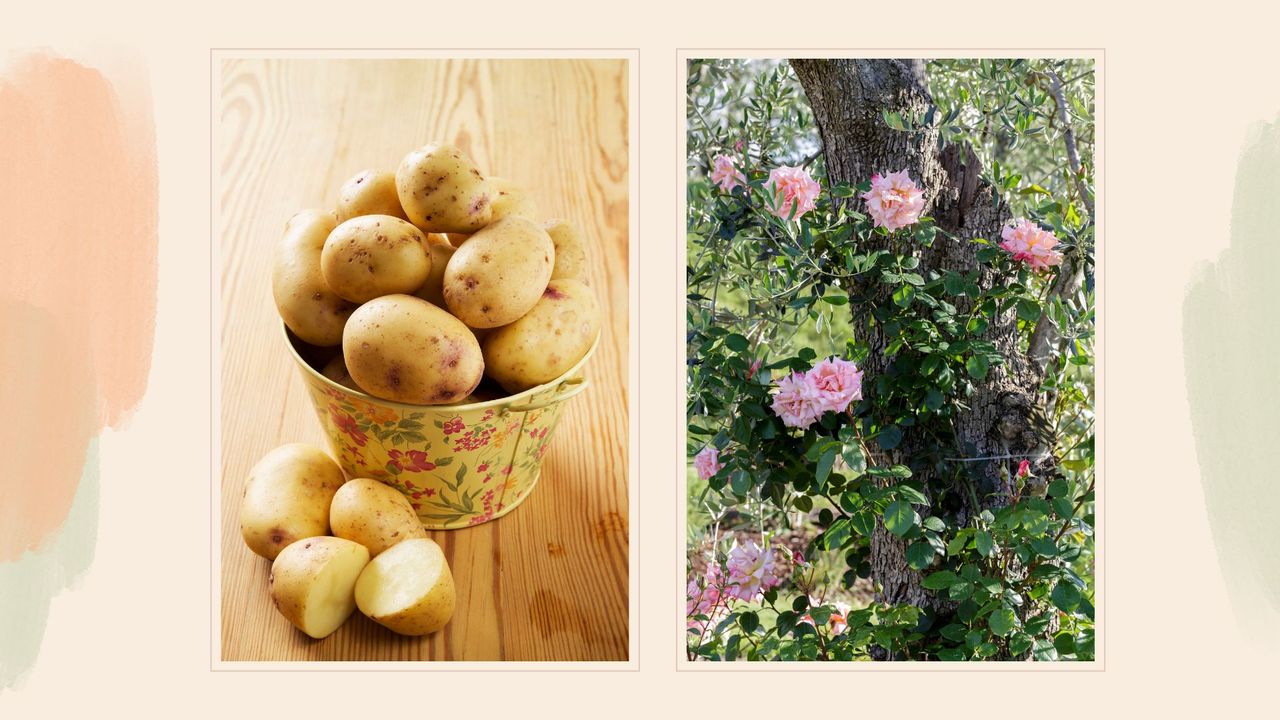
x=849 y=99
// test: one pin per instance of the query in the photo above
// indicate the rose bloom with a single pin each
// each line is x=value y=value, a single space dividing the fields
x=838 y=382
x=1024 y=468
x=1031 y=245
x=703 y=594
x=797 y=401
x=750 y=569
x=839 y=620
x=725 y=175
x=792 y=187
x=707 y=462
x=894 y=200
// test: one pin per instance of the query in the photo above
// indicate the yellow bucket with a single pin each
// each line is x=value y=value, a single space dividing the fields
x=459 y=465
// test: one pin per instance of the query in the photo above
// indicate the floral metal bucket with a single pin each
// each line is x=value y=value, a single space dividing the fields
x=459 y=465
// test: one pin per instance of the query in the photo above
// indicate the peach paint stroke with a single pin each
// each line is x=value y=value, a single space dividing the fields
x=79 y=199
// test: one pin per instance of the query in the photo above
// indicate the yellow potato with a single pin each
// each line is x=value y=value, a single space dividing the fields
x=287 y=498
x=512 y=199
x=313 y=583
x=441 y=190
x=548 y=341
x=456 y=239
x=408 y=589
x=499 y=273
x=571 y=253
x=309 y=308
x=374 y=255
x=432 y=290
x=403 y=348
x=373 y=514
x=336 y=370
x=369 y=193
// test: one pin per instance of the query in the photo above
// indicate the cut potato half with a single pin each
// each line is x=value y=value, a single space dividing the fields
x=313 y=583
x=408 y=588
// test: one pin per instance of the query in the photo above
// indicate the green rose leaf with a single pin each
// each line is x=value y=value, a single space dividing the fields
x=900 y=518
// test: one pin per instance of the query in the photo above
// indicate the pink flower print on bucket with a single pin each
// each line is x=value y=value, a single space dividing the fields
x=792 y=187
x=707 y=462
x=1028 y=243
x=838 y=383
x=894 y=200
x=725 y=175
x=797 y=401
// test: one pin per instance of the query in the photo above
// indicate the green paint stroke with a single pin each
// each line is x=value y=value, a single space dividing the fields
x=31 y=581
x=1231 y=343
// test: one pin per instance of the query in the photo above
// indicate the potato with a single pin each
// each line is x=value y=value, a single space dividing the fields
x=308 y=307
x=512 y=199
x=571 y=253
x=441 y=250
x=374 y=255
x=336 y=370
x=313 y=583
x=370 y=193
x=499 y=273
x=456 y=239
x=373 y=514
x=441 y=190
x=403 y=348
x=287 y=498
x=408 y=589
x=547 y=342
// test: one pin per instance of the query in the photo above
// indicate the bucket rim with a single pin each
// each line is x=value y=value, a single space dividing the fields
x=506 y=400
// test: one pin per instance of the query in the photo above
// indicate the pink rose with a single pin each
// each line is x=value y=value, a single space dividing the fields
x=703 y=593
x=894 y=200
x=707 y=462
x=797 y=401
x=1024 y=468
x=838 y=382
x=839 y=620
x=750 y=569
x=725 y=175
x=792 y=187
x=1031 y=245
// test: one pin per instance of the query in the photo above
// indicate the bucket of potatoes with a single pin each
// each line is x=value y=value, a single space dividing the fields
x=439 y=324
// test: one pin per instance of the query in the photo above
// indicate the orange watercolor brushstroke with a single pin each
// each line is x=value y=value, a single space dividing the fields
x=78 y=243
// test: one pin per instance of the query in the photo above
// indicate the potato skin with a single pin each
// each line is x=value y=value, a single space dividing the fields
x=287 y=498
x=295 y=570
x=374 y=255
x=403 y=348
x=441 y=250
x=369 y=192
x=373 y=514
x=512 y=199
x=499 y=273
x=441 y=190
x=308 y=307
x=571 y=253
x=548 y=341
x=336 y=370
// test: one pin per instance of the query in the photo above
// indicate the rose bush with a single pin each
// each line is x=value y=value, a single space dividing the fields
x=796 y=462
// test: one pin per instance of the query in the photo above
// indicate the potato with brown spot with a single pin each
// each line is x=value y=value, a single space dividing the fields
x=441 y=190
x=308 y=307
x=512 y=199
x=499 y=273
x=287 y=498
x=374 y=255
x=373 y=514
x=548 y=341
x=571 y=252
x=370 y=192
x=403 y=348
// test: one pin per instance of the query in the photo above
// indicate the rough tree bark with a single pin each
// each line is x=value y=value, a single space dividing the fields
x=849 y=98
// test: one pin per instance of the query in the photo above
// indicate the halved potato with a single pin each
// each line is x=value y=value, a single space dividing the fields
x=408 y=588
x=313 y=583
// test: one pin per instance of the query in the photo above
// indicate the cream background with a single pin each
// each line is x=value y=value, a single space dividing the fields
x=1181 y=89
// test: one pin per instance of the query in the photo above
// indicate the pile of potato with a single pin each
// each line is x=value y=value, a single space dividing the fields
x=434 y=277
x=378 y=559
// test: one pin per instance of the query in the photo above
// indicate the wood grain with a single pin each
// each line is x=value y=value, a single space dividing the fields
x=550 y=580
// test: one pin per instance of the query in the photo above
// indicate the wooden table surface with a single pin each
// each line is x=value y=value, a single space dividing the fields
x=550 y=580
